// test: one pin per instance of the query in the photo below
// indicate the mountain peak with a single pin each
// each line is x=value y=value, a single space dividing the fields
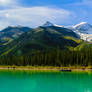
x=83 y=27
x=80 y=24
x=47 y=24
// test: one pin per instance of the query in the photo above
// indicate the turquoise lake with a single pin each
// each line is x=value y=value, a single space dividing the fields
x=32 y=81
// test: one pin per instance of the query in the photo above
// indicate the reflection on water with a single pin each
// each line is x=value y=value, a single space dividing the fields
x=45 y=81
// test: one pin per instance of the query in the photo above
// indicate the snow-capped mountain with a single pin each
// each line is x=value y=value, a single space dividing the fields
x=83 y=27
x=47 y=24
x=84 y=30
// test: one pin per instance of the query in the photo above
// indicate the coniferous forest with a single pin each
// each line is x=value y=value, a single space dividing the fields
x=51 y=58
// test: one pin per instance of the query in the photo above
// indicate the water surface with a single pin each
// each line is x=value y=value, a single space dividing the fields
x=33 y=81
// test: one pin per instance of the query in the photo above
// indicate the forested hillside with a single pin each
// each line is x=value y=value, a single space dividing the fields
x=47 y=46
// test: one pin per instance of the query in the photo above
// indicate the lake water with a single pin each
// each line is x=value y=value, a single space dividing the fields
x=32 y=81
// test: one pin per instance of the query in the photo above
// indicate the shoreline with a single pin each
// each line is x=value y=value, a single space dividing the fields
x=46 y=68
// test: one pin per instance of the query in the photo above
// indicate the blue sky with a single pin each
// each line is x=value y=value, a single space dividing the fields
x=33 y=13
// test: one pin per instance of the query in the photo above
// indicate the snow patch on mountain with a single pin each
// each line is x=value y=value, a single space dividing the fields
x=83 y=27
x=81 y=24
x=84 y=30
x=58 y=25
x=48 y=24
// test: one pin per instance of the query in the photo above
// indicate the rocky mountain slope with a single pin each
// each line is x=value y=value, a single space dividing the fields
x=10 y=33
x=41 y=38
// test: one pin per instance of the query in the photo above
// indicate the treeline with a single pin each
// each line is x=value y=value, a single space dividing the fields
x=51 y=58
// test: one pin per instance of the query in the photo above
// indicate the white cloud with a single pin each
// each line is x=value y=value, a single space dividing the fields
x=5 y=1
x=8 y=3
x=33 y=16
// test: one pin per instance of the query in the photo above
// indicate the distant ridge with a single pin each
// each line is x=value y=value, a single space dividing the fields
x=83 y=30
